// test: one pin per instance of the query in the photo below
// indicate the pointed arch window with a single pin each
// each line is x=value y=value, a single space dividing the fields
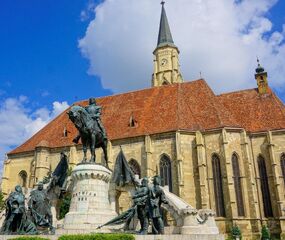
x=264 y=187
x=218 y=186
x=23 y=178
x=282 y=163
x=165 y=172
x=237 y=185
x=135 y=167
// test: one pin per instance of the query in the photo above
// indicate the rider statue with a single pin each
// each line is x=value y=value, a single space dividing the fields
x=39 y=205
x=95 y=112
x=93 y=135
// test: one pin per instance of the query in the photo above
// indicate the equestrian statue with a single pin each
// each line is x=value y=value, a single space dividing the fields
x=92 y=133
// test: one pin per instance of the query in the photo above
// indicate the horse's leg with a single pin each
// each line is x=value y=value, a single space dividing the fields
x=104 y=147
x=84 y=150
x=92 y=148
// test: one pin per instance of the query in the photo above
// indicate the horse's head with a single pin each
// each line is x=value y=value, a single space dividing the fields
x=75 y=115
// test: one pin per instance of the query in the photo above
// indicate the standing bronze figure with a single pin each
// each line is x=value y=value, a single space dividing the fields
x=91 y=131
x=141 y=199
x=16 y=219
x=40 y=207
x=156 y=198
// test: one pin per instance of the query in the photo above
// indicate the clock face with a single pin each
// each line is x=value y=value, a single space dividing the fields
x=163 y=62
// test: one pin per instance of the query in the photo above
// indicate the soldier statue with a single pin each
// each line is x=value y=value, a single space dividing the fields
x=40 y=207
x=16 y=220
x=156 y=198
x=140 y=199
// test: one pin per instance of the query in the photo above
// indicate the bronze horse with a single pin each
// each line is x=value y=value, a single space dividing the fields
x=89 y=132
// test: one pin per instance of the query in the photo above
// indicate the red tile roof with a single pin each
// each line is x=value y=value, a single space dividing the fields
x=187 y=106
x=253 y=111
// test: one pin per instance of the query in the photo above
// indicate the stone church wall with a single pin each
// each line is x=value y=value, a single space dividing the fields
x=190 y=154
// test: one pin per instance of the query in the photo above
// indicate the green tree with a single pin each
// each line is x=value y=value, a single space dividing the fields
x=2 y=201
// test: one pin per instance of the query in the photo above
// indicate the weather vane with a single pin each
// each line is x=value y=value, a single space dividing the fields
x=258 y=60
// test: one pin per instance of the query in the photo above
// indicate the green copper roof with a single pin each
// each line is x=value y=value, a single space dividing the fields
x=164 y=36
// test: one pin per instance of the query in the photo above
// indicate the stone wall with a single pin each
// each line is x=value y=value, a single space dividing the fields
x=191 y=165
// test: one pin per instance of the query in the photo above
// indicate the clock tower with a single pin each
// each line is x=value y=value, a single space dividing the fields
x=166 y=62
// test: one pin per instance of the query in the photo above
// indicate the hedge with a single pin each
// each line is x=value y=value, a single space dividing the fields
x=28 y=238
x=99 y=236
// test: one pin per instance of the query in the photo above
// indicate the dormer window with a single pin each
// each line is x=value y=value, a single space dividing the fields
x=65 y=132
x=132 y=122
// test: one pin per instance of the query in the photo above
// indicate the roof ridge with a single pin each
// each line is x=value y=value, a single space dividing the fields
x=147 y=89
x=238 y=91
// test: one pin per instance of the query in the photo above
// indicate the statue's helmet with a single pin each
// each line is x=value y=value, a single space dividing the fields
x=144 y=181
x=18 y=188
x=40 y=185
x=92 y=101
x=156 y=180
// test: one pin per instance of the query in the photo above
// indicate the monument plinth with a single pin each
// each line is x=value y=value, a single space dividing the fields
x=90 y=204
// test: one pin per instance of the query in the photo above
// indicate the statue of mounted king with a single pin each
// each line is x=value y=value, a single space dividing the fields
x=92 y=133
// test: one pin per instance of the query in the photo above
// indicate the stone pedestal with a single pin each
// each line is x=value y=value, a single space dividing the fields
x=90 y=203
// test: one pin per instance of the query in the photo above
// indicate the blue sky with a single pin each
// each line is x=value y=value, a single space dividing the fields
x=40 y=57
x=39 y=52
x=54 y=53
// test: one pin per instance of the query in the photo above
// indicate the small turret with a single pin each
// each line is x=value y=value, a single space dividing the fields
x=261 y=78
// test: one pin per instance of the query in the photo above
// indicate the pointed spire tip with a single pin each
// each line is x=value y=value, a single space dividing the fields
x=164 y=36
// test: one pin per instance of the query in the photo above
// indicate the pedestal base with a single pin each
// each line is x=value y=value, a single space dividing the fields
x=90 y=204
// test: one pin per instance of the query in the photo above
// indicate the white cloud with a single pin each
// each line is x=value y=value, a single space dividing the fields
x=219 y=38
x=59 y=107
x=18 y=122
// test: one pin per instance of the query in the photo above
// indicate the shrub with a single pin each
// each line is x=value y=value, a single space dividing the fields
x=28 y=238
x=265 y=234
x=64 y=205
x=236 y=232
x=98 y=237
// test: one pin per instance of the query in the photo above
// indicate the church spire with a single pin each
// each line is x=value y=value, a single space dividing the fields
x=166 y=56
x=164 y=36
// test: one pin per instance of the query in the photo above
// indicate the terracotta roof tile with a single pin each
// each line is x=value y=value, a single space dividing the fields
x=187 y=106
x=255 y=112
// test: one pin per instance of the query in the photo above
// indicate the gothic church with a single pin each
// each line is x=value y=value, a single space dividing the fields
x=222 y=152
